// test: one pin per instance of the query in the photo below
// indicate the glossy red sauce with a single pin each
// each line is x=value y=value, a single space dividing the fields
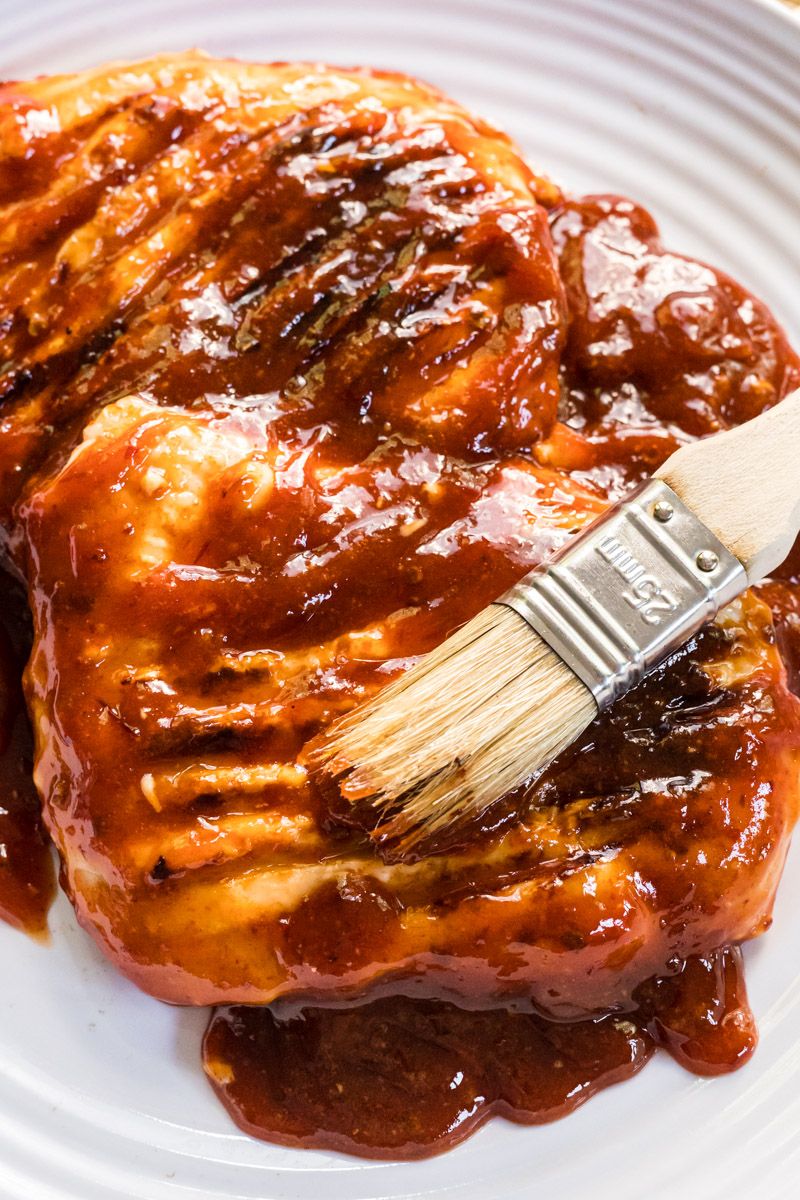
x=406 y=1078
x=27 y=878
x=373 y=303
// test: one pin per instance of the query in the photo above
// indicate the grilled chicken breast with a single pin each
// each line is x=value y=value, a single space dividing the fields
x=300 y=369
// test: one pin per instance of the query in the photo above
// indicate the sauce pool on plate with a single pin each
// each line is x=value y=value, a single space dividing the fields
x=405 y=1078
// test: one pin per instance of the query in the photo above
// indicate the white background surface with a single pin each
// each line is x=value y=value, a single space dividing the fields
x=693 y=107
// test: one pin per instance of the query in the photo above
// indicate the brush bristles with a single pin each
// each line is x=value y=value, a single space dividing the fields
x=472 y=721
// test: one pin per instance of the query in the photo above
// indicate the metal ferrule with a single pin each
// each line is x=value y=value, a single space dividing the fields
x=628 y=590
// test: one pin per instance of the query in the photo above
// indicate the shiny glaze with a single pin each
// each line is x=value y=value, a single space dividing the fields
x=219 y=230
x=400 y=1078
x=27 y=878
x=342 y=370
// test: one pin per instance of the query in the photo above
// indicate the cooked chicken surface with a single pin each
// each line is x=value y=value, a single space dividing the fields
x=301 y=368
x=211 y=230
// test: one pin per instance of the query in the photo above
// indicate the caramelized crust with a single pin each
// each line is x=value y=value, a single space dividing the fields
x=290 y=390
x=205 y=229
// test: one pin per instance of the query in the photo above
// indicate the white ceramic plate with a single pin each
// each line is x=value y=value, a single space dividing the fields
x=694 y=109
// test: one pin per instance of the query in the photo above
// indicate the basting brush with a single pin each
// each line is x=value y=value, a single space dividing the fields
x=503 y=695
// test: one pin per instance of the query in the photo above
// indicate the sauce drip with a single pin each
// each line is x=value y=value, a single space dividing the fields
x=404 y=1078
x=27 y=879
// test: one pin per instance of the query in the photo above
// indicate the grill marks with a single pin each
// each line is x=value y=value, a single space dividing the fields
x=214 y=708
x=111 y=148
x=200 y=248
x=158 y=222
x=223 y=731
x=301 y=276
x=195 y=781
x=53 y=244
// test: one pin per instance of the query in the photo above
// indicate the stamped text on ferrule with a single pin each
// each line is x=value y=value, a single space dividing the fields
x=645 y=593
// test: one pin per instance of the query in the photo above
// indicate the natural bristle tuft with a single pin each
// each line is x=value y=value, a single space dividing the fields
x=482 y=713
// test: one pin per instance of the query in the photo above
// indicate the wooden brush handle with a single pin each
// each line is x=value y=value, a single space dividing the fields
x=744 y=484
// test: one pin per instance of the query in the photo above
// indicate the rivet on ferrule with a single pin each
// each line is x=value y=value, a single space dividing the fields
x=707 y=560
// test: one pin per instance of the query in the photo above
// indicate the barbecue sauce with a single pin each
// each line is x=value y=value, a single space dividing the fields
x=406 y=1078
x=253 y=316
x=27 y=879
